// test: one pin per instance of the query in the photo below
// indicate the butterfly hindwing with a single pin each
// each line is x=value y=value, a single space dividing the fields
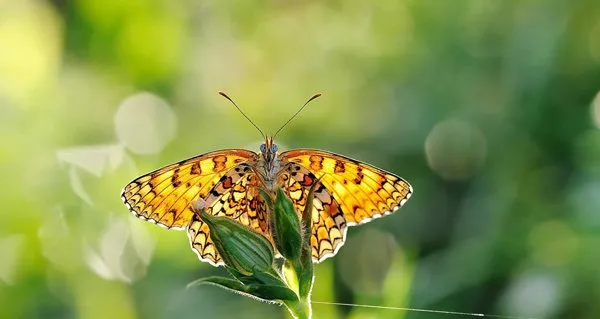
x=164 y=196
x=363 y=191
x=234 y=196
x=328 y=223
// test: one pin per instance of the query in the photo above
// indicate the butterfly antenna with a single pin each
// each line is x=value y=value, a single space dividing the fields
x=300 y=110
x=244 y=114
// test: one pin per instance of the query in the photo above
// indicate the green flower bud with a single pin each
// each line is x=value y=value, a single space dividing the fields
x=286 y=227
x=241 y=248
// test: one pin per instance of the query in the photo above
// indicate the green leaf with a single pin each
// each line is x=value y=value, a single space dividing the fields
x=272 y=292
x=260 y=291
x=222 y=282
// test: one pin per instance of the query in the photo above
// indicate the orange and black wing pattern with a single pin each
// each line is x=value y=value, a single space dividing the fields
x=328 y=223
x=357 y=193
x=164 y=196
x=235 y=196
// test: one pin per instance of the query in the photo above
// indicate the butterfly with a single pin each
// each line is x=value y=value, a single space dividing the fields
x=347 y=193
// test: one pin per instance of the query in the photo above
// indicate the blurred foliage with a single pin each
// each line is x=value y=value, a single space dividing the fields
x=489 y=108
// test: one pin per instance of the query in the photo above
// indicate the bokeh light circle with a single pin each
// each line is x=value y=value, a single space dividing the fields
x=366 y=260
x=145 y=123
x=455 y=149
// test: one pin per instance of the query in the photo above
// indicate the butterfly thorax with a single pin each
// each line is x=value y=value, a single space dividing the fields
x=268 y=164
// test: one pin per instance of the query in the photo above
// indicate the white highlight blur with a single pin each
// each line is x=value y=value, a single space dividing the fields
x=595 y=109
x=77 y=186
x=366 y=260
x=145 y=123
x=95 y=159
x=533 y=295
x=455 y=149
x=123 y=252
x=10 y=248
x=56 y=240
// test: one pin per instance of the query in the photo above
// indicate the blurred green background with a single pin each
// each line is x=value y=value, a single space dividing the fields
x=489 y=108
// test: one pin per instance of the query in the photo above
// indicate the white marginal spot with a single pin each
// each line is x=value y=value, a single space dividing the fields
x=364 y=221
x=161 y=225
x=125 y=201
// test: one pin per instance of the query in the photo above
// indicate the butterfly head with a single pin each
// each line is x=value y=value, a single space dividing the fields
x=268 y=149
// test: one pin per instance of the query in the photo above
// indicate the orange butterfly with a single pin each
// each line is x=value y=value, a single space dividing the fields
x=348 y=192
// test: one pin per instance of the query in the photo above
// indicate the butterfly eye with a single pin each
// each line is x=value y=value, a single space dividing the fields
x=263 y=148
x=273 y=148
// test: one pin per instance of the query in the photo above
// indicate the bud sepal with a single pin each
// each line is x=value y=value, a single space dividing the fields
x=286 y=227
x=241 y=248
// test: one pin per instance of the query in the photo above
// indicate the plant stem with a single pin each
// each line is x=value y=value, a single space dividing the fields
x=300 y=309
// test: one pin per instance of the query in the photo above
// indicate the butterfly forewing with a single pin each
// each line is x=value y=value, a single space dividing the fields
x=164 y=196
x=363 y=191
